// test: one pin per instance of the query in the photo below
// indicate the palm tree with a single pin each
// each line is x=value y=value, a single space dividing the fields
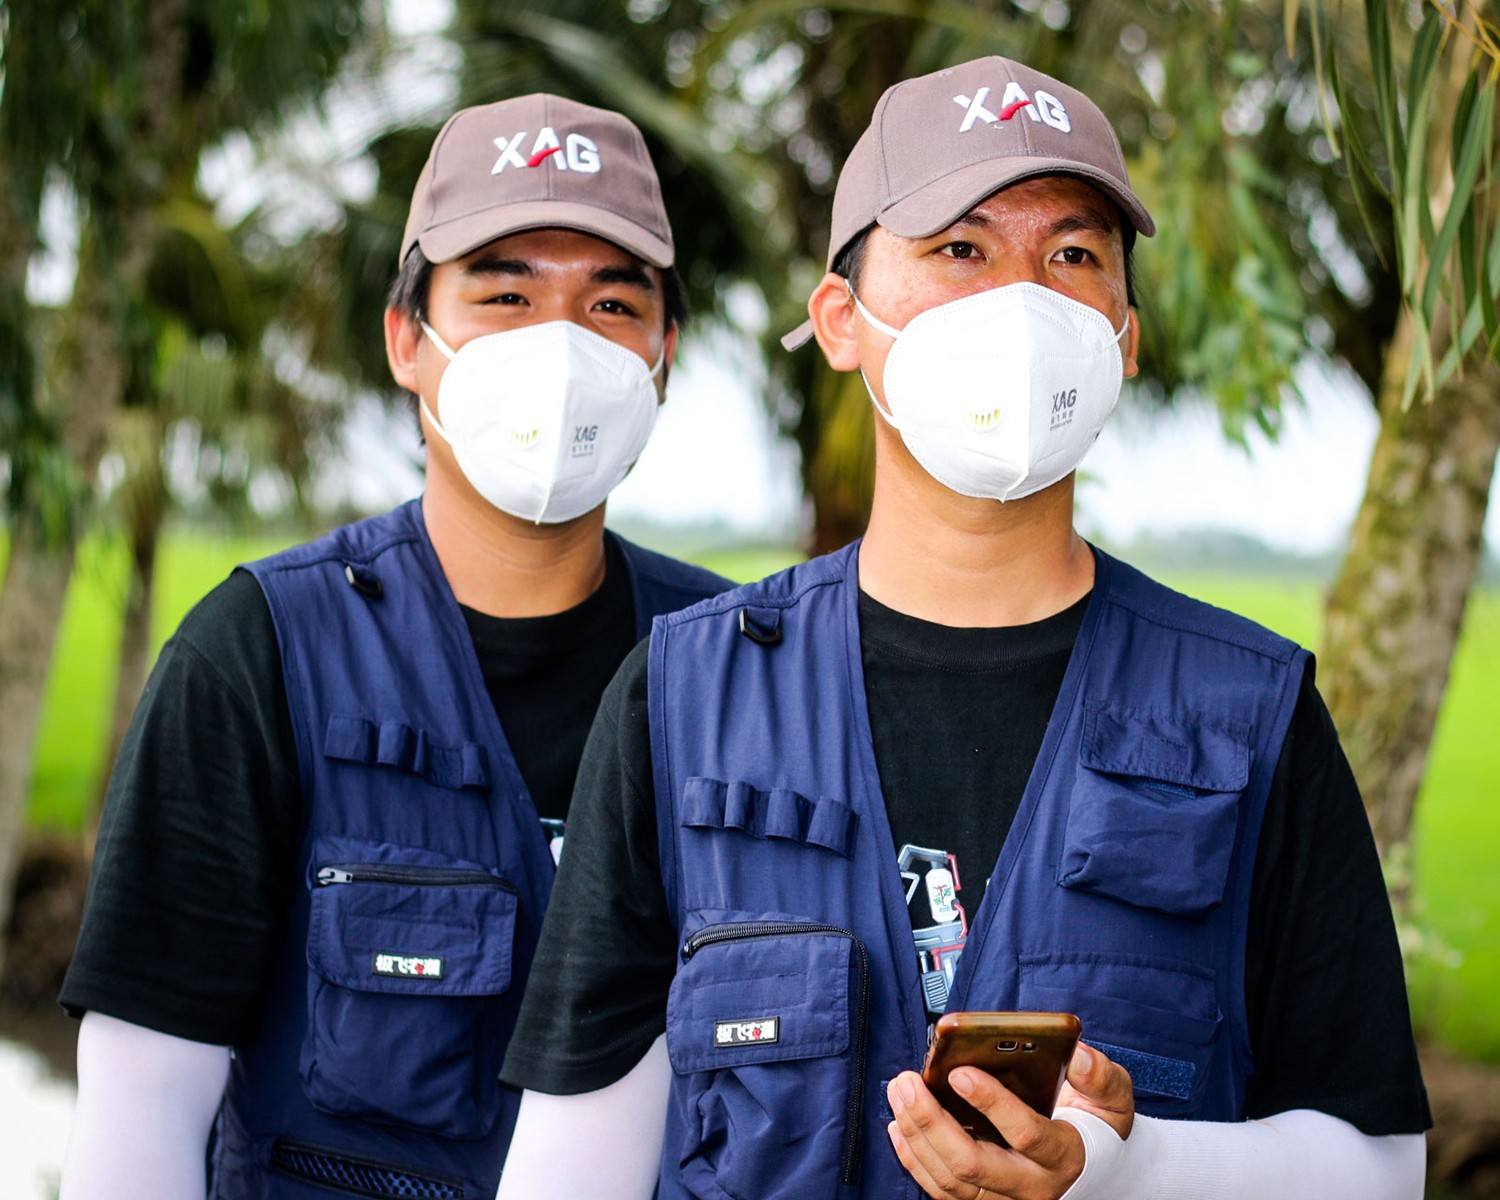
x=120 y=97
x=205 y=369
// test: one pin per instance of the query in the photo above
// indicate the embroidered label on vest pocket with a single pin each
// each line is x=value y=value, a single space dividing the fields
x=409 y=966
x=745 y=1033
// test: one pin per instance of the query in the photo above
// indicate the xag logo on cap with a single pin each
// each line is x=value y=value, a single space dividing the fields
x=747 y=1033
x=1043 y=107
x=574 y=153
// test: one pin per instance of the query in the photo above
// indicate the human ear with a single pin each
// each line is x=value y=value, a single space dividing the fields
x=403 y=337
x=1131 y=344
x=834 y=321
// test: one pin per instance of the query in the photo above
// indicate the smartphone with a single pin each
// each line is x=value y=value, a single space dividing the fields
x=1026 y=1051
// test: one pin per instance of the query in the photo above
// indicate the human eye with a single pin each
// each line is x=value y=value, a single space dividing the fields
x=1076 y=256
x=959 y=249
x=505 y=298
x=615 y=307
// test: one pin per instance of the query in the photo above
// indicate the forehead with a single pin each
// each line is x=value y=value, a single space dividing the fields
x=1043 y=200
x=553 y=247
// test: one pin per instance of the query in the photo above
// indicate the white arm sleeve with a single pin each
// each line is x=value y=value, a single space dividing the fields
x=146 y=1102
x=1296 y=1155
x=561 y=1142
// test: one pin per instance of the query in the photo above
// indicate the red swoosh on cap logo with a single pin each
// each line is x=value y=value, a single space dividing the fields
x=540 y=156
x=1011 y=110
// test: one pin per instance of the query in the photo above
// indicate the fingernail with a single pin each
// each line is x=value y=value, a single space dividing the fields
x=1084 y=1058
x=908 y=1092
x=893 y=1094
x=962 y=1082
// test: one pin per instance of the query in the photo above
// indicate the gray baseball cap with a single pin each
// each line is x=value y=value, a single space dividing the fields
x=533 y=162
x=939 y=144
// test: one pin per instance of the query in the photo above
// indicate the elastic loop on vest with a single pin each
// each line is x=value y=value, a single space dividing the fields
x=399 y=746
x=780 y=813
x=364 y=581
x=761 y=625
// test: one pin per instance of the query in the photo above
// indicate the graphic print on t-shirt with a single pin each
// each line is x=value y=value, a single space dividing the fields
x=554 y=831
x=939 y=925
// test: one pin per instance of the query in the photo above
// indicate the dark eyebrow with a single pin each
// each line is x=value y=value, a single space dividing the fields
x=499 y=266
x=1085 y=220
x=972 y=220
x=631 y=276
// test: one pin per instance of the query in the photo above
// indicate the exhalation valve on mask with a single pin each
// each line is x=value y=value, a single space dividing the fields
x=546 y=420
x=1000 y=394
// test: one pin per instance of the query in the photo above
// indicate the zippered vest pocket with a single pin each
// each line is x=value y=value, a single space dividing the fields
x=407 y=951
x=766 y=1033
x=354 y=1175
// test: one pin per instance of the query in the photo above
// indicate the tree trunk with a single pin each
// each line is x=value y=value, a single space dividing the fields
x=31 y=604
x=135 y=643
x=1393 y=614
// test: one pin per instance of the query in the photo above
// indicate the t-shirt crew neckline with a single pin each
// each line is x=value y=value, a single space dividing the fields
x=969 y=649
x=555 y=633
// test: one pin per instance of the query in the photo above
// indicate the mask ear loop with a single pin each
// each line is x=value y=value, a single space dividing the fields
x=421 y=401
x=875 y=323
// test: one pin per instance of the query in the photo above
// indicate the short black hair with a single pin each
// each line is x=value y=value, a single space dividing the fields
x=851 y=258
x=413 y=283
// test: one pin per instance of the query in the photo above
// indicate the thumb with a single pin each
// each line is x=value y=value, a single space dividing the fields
x=1101 y=1086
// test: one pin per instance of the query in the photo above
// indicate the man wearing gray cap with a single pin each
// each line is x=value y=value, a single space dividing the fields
x=332 y=830
x=1101 y=797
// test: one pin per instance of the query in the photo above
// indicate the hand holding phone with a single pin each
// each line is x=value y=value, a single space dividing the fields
x=1028 y=1052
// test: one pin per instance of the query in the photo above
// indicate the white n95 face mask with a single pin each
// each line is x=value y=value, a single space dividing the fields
x=1002 y=393
x=547 y=419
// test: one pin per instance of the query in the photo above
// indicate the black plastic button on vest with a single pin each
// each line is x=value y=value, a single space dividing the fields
x=761 y=625
x=364 y=581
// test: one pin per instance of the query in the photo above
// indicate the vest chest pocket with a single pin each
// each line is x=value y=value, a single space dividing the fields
x=1155 y=1017
x=1154 y=812
x=406 y=951
x=766 y=1034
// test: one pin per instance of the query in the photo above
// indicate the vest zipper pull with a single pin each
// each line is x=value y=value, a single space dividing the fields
x=329 y=875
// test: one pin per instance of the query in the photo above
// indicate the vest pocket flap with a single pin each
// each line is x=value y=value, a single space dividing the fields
x=779 y=813
x=1154 y=811
x=411 y=928
x=761 y=999
x=1154 y=1017
x=1151 y=745
x=403 y=747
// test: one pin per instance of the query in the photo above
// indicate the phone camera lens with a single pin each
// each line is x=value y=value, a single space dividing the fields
x=1029 y=1046
x=1006 y=1045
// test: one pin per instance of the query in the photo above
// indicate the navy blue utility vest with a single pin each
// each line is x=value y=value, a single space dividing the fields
x=1121 y=893
x=423 y=875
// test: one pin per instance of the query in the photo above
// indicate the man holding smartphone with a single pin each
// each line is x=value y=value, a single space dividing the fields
x=972 y=763
x=331 y=832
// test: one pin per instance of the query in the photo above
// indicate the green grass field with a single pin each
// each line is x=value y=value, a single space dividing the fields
x=1458 y=851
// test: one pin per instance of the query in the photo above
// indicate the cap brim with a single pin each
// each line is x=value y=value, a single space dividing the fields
x=943 y=201
x=452 y=239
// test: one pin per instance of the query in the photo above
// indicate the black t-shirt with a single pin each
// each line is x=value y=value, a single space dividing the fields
x=960 y=713
x=196 y=863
